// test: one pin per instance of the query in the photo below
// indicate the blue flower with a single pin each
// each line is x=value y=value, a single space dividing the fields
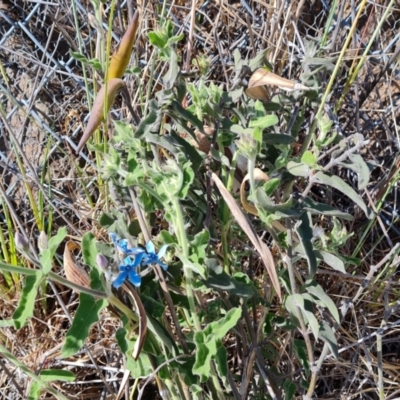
x=128 y=269
x=136 y=257
x=150 y=257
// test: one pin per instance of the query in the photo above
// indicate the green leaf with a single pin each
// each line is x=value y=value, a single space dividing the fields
x=305 y=306
x=342 y=186
x=157 y=39
x=277 y=139
x=86 y=315
x=27 y=302
x=79 y=57
x=89 y=252
x=188 y=177
x=196 y=267
x=47 y=256
x=34 y=391
x=264 y=203
x=289 y=388
x=359 y=166
x=48 y=375
x=123 y=132
x=324 y=209
x=332 y=260
x=263 y=122
x=140 y=368
x=309 y=159
x=317 y=291
x=298 y=169
x=271 y=186
x=186 y=148
x=173 y=71
x=186 y=115
x=221 y=361
x=147 y=124
x=199 y=245
x=304 y=229
x=218 y=279
x=202 y=365
x=162 y=334
x=327 y=335
x=219 y=329
x=300 y=349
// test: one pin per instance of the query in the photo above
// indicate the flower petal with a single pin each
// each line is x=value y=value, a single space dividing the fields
x=134 y=250
x=138 y=259
x=134 y=278
x=114 y=238
x=162 y=251
x=150 y=247
x=120 y=279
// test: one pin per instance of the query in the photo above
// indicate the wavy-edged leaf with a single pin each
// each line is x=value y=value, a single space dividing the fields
x=304 y=230
x=360 y=167
x=220 y=328
x=243 y=222
x=204 y=353
x=97 y=113
x=86 y=315
x=342 y=186
x=120 y=59
x=27 y=300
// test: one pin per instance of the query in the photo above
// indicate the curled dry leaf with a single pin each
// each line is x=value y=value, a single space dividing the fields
x=97 y=113
x=261 y=247
x=262 y=77
x=120 y=59
x=74 y=273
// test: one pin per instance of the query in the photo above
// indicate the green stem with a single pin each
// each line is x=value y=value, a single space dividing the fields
x=225 y=215
x=181 y=235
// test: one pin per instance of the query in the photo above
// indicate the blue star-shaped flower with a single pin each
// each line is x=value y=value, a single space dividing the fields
x=136 y=256
x=150 y=257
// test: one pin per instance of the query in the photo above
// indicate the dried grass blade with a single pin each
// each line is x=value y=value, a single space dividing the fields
x=260 y=246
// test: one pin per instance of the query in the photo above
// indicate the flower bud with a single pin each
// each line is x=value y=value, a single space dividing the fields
x=43 y=242
x=21 y=242
x=102 y=262
x=247 y=146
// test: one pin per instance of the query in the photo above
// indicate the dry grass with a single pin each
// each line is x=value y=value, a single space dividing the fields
x=43 y=95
